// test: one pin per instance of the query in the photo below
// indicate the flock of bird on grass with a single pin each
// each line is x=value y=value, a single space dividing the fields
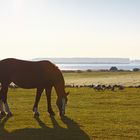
x=98 y=87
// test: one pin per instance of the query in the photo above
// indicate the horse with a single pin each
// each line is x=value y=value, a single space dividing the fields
x=32 y=74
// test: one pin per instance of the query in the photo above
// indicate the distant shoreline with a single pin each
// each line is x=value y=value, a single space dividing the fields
x=90 y=70
x=97 y=67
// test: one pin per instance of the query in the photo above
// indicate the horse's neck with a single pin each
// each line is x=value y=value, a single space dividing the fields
x=59 y=87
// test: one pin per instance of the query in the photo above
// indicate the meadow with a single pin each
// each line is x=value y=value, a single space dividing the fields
x=126 y=78
x=90 y=114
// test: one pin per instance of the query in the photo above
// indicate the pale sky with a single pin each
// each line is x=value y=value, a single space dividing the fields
x=69 y=28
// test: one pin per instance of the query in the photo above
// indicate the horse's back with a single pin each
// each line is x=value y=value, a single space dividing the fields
x=30 y=73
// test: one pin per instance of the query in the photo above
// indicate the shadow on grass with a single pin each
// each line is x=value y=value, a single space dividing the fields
x=72 y=132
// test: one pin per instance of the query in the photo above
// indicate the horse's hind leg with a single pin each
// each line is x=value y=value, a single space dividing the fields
x=48 y=95
x=37 y=99
x=2 y=113
x=3 y=93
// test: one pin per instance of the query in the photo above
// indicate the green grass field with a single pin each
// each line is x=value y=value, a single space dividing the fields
x=90 y=114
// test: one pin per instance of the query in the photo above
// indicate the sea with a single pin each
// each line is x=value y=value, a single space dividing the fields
x=93 y=63
x=85 y=67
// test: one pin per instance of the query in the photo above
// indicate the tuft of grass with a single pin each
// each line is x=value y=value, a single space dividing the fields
x=90 y=115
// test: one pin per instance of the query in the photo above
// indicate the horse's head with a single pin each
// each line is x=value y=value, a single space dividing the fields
x=64 y=102
x=61 y=103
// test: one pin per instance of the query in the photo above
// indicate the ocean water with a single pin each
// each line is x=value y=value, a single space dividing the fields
x=79 y=66
x=93 y=63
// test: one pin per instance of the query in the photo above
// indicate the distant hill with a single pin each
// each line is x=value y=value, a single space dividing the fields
x=135 y=61
x=86 y=60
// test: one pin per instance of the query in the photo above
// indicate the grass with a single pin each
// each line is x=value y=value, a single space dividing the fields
x=126 y=78
x=90 y=115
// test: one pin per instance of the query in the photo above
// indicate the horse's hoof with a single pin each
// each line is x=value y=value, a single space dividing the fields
x=9 y=114
x=52 y=113
x=3 y=114
x=62 y=115
x=36 y=114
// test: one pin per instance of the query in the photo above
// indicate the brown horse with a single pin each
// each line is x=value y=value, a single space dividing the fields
x=27 y=74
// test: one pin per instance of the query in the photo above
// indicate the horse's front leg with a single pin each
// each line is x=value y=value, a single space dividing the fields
x=48 y=95
x=37 y=99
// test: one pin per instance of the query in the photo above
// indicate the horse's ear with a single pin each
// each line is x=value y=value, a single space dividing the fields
x=67 y=93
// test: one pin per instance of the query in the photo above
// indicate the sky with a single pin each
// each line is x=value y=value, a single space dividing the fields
x=69 y=28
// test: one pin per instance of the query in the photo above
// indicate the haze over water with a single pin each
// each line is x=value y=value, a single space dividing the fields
x=93 y=63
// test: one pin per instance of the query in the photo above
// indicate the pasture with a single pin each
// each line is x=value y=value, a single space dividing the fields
x=126 y=78
x=90 y=114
